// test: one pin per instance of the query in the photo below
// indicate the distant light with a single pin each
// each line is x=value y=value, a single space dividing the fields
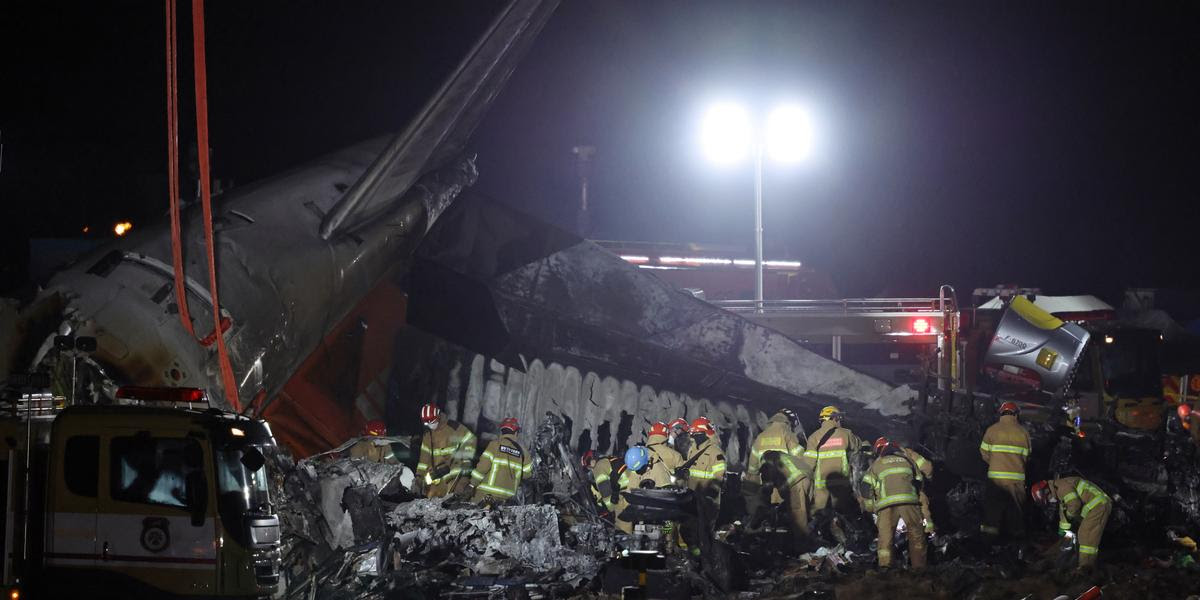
x=635 y=259
x=920 y=325
x=726 y=133
x=693 y=260
x=236 y=432
x=786 y=264
x=86 y=229
x=1108 y=339
x=122 y=228
x=789 y=136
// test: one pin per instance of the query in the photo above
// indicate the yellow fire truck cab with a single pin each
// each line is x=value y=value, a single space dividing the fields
x=136 y=500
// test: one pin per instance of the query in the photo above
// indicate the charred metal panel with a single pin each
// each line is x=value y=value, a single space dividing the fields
x=506 y=285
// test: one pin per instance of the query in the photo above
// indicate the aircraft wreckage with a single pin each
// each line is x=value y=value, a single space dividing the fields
x=372 y=281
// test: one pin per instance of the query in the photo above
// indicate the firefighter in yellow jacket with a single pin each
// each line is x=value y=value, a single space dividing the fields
x=372 y=449
x=501 y=467
x=606 y=472
x=778 y=436
x=659 y=443
x=828 y=455
x=643 y=468
x=926 y=468
x=706 y=463
x=1082 y=505
x=1005 y=448
x=891 y=485
x=447 y=451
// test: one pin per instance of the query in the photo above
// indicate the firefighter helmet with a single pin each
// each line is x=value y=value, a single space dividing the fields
x=637 y=457
x=830 y=412
x=430 y=413
x=881 y=444
x=659 y=428
x=585 y=461
x=375 y=427
x=1010 y=408
x=680 y=423
x=510 y=425
x=1040 y=492
x=702 y=425
x=792 y=417
x=1184 y=411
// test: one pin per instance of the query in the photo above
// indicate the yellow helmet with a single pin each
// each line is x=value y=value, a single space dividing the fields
x=830 y=412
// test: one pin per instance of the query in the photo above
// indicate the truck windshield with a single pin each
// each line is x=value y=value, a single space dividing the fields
x=241 y=490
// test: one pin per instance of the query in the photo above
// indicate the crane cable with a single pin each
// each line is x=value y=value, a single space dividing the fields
x=201 y=81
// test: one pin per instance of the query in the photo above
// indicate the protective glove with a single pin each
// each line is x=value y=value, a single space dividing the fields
x=1070 y=535
x=441 y=471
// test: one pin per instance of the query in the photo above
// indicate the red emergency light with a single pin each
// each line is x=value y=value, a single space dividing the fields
x=161 y=394
x=920 y=325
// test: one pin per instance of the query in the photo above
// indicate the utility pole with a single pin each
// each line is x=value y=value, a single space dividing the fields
x=583 y=164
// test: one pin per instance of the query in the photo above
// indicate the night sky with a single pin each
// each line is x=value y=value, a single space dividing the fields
x=1052 y=145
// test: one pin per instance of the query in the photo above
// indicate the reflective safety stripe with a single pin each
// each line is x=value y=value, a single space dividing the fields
x=1069 y=497
x=1098 y=496
x=894 y=499
x=1064 y=525
x=1008 y=475
x=1005 y=448
x=499 y=491
x=1088 y=549
x=895 y=471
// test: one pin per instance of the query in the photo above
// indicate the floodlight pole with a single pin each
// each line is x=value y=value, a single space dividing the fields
x=758 y=227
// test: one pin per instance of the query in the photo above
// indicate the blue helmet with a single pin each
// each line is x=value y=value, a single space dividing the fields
x=636 y=458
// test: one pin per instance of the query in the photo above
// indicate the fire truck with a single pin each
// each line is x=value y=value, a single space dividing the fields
x=154 y=495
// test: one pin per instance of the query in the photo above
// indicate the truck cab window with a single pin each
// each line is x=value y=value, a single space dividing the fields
x=81 y=465
x=154 y=470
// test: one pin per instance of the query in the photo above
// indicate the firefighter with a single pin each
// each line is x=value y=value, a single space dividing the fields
x=1082 y=504
x=706 y=463
x=374 y=450
x=501 y=467
x=828 y=455
x=788 y=477
x=778 y=436
x=926 y=469
x=447 y=450
x=643 y=469
x=679 y=437
x=1005 y=448
x=658 y=442
x=606 y=471
x=890 y=491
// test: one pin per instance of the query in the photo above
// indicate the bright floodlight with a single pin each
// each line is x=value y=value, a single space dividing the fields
x=788 y=134
x=726 y=133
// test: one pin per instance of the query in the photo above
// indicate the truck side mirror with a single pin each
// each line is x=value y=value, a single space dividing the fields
x=197 y=497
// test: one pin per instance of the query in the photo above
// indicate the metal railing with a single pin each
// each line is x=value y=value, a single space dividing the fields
x=844 y=306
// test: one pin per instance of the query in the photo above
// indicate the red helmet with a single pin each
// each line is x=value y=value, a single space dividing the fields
x=585 y=461
x=430 y=413
x=659 y=428
x=1185 y=412
x=1010 y=408
x=680 y=423
x=702 y=425
x=375 y=427
x=881 y=444
x=510 y=424
x=1040 y=492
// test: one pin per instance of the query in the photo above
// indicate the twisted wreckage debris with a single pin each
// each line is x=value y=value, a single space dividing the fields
x=352 y=529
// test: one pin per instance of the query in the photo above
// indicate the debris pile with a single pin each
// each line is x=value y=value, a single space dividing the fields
x=352 y=529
